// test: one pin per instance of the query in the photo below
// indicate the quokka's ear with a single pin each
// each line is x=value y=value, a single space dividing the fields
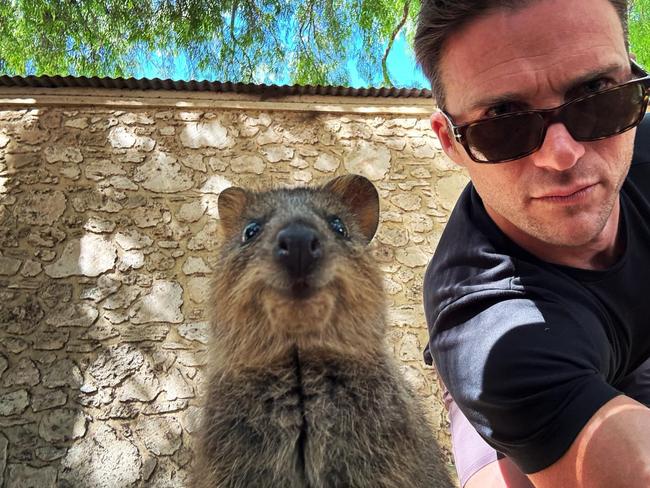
x=231 y=204
x=361 y=198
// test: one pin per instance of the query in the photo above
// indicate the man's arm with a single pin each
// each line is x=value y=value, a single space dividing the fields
x=611 y=451
x=499 y=474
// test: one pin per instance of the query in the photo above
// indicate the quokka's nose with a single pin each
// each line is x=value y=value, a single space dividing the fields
x=298 y=249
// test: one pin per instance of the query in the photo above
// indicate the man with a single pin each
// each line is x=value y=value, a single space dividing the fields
x=538 y=296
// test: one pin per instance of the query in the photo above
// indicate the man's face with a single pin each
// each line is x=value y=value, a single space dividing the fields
x=565 y=194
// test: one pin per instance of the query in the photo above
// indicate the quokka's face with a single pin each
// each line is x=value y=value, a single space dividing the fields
x=295 y=242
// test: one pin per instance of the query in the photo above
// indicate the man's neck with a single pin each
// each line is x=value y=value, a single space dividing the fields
x=600 y=253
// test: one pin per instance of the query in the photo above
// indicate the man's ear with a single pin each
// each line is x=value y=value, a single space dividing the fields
x=440 y=126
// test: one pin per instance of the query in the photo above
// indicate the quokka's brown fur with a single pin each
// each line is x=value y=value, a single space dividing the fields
x=302 y=392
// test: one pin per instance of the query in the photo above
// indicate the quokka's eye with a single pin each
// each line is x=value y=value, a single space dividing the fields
x=337 y=225
x=250 y=231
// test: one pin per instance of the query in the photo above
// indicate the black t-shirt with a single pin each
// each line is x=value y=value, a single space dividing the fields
x=529 y=350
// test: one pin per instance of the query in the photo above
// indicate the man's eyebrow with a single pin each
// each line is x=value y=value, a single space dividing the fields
x=510 y=97
x=606 y=71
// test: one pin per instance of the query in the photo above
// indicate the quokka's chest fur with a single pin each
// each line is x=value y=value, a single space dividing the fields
x=315 y=422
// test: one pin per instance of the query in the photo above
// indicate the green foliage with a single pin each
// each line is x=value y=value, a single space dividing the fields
x=640 y=31
x=229 y=40
x=237 y=40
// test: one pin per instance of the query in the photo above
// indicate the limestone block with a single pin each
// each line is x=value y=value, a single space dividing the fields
x=162 y=173
x=4 y=365
x=195 y=265
x=78 y=123
x=199 y=289
x=275 y=154
x=215 y=184
x=419 y=222
x=9 y=266
x=3 y=457
x=299 y=163
x=410 y=349
x=248 y=164
x=51 y=339
x=132 y=239
x=448 y=189
x=121 y=138
x=176 y=386
x=40 y=207
x=393 y=235
x=102 y=459
x=161 y=435
x=412 y=257
x=327 y=163
x=101 y=330
x=159 y=261
x=269 y=136
x=62 y=425
x=121 y=183
x=24 y=476
x=415 y=378
x=195 y=331
x=25 y=373
x=63 y=372
x=123 y=298
x=4 y=140
x=217 y=164
x=91 y=255
x=142 y=386
x=191 y=420
x=70 y=171
x=63 y=154
x=369 y=160
x=262 y=119
x=131 y=260
x=302 y=176
x=137 y=118
x=206 y=238
x=75 y=315
x=48 y=400
x=114 y=364
x=407 y=201
x=14 y=403
x=98 y=201
x=99 y=225
x=168 y=130
x=33 y=136
x=206 y=134
x=162 y=304
x=49 y=453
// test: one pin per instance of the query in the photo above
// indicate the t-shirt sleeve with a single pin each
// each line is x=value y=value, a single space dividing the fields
x=527 y=374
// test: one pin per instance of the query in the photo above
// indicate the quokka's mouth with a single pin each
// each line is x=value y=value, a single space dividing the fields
x=302 y=289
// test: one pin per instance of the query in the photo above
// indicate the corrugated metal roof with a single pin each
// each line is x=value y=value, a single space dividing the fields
x=263 y=90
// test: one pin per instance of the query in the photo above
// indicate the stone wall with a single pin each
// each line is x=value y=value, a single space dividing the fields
x=108 y=226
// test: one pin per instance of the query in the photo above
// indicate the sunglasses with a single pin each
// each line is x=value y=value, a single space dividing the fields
x=595 y=116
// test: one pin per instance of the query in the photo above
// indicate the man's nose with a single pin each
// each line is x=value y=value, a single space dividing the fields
x=560 y=151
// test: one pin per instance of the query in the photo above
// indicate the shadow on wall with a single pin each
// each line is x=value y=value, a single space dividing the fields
x=108 y=227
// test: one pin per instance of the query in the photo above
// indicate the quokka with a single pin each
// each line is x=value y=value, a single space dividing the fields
x=302 y=392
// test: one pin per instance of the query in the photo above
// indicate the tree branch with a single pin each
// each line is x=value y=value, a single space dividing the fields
x=384 y=64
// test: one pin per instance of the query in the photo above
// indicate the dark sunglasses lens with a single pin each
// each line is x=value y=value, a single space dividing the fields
x=505 y=138
x=605 y=114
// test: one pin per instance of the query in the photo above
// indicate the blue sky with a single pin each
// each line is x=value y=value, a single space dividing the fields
x=401 y=66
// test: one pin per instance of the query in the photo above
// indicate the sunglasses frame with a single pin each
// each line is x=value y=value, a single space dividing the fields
x=551 y=115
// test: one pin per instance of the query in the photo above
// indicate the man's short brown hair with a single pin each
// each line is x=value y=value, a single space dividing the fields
x=438 y=19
